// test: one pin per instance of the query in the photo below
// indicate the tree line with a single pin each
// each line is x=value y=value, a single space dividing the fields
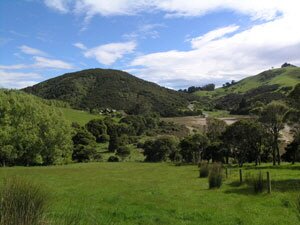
x=34 y=133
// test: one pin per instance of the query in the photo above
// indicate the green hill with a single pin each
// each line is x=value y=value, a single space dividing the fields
x=269 y=85
x=101 y=88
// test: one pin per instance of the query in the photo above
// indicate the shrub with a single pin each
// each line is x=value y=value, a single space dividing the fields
x=113 y=159
x=22 y=203
x=258 y=183
x=298 y=204
x=204 y=170
x=123 y=151
x=215 y=177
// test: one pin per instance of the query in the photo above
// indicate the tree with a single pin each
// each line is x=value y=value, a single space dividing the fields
x=31 y=132
x=245 y=138
x=272 y=116
x=123 y=152
x=160 y=149
x=98 y=128
x=84 y=146
x=214 y=128
x=193 y=146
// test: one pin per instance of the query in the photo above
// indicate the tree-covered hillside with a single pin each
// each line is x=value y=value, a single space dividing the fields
x=101 y=88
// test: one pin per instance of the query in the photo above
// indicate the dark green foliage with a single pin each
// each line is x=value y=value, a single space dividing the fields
x=258 y=183
x=137 y=122
x=273 y=117
x=245 y=138
x=160 y=149
x=83 y=137
x=22 y=202
x=84 y=153
x=287 y=65
x=123 y=151
x=204 y=170
x=117 y=141
x=31 y=132
x=243 y=103
x=193 y=146
x=113 y=159
x=215 y=177
x=84 y=146
x=98 y=128
x=192 y=89
x=292 y=152
x=99 y=88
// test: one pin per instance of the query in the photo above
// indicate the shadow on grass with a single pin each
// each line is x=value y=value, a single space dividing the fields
x=289 y=185
x=264 y=166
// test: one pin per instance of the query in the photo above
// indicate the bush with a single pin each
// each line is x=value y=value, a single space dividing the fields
x=215 y=177
x=22 y=203
x=298 y=204
x=258 y=183
x=123 y=151
x=113 y=159
x=204 y=170
x=102 y=138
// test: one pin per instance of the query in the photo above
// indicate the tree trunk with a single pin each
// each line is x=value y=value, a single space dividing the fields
x=274 y=156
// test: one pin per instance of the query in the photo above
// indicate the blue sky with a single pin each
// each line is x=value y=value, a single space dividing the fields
x=175 y=43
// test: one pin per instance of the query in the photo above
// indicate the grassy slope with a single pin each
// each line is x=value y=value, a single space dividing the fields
x=81 y=117
x=160 y=193
x=285 y=77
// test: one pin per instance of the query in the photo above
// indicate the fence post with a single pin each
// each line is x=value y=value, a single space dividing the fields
x=241 y=176
x=269 y=182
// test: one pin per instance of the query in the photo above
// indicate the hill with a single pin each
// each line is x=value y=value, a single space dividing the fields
x=105 y=88
x=269 y=85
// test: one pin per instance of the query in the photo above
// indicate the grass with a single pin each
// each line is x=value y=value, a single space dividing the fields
x=285 y=77
x=161 y=193
x=22 y=202
x=81 y=117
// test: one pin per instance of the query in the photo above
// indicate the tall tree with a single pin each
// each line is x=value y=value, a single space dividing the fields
x=273 y=116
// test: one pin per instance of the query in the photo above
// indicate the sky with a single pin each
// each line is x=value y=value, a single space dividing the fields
x=175 y=43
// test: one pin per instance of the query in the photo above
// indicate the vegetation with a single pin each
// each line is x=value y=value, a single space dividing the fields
x=204 y=170
x=22 y=202
x=240 y=97
x=160 y=193
x=215 y=177
x=114 y=89
x=31 y=132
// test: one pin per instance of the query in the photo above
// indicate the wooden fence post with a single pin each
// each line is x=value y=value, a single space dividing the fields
x=269 y=182
x=241 y=176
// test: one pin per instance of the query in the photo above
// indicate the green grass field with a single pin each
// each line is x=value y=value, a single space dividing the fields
x=81 y=117
x=160 y=193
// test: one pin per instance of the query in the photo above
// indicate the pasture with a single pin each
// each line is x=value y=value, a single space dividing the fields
x=161 y=193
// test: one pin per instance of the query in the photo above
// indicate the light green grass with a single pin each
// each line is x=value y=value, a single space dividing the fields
x=81 y=117
x=161 y=193
x=285 y=77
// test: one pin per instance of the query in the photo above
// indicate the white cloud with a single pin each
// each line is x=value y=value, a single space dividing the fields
x=109 y=53
x=14 y=67
x=257 y=9
x=18 y=79
x=212 y=35
x=80 y=46
x=31 y=51
x=59 y=5
x=215 y=56
x=42 y=62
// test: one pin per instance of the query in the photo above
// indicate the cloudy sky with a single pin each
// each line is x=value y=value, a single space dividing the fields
x=176 y=43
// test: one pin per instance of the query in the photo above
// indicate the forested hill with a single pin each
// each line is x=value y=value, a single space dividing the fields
x=115 y=89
